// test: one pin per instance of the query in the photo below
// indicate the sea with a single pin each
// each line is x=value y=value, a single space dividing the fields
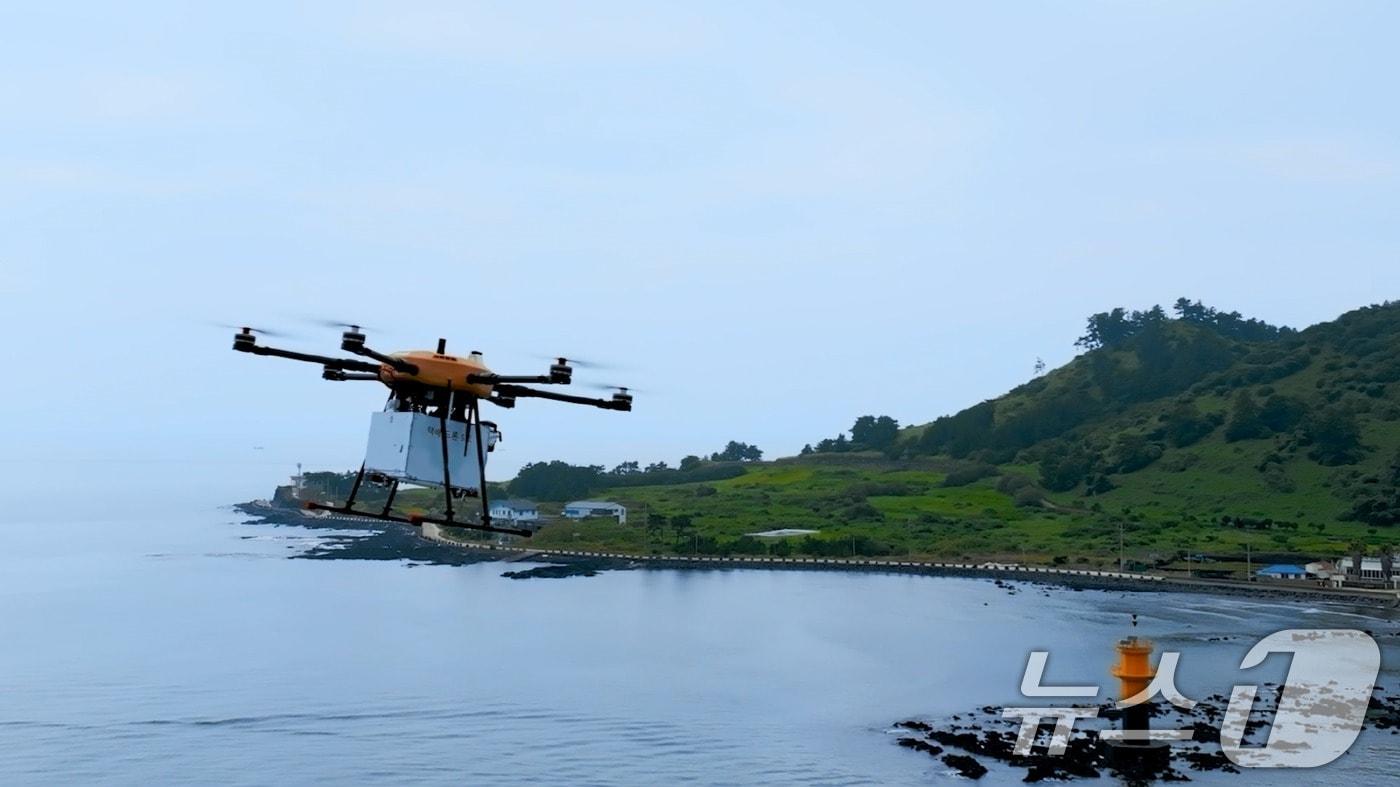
x=187 y=644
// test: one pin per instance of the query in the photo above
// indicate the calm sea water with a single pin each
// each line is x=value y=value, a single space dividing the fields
x=184 y=646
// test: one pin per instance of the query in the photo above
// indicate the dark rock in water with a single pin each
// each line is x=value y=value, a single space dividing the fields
x=1202 y=732
x=1209 y=761
x=1384 y=713
x=366 y=539
x=920 y=745
x=1046 y=769
x=984 y=733
x=965 y=765
x=556 y=571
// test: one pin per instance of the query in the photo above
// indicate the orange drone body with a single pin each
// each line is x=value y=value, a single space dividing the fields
x=438 y=370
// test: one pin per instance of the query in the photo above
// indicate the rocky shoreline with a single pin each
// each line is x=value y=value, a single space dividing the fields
x=966 y=742
x=381 y=540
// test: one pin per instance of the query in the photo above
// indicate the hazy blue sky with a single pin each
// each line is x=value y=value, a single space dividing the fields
x=777 y=216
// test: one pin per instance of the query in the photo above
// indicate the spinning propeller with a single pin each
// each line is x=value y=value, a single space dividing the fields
x=248 y=329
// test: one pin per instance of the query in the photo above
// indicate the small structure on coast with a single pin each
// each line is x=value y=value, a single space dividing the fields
x=1283 y=571
x=1375 y=571
x=515 y=510
x=581 y=509
x=783 y=533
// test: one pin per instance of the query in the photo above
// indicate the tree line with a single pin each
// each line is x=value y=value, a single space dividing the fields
x=1114 y=327
x=868 y=433
x=559 y=481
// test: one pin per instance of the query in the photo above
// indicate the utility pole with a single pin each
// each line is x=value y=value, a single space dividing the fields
x=1248 y=563
x=1121 y=567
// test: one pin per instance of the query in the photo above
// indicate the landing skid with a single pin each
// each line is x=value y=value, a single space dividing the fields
x=416 y=520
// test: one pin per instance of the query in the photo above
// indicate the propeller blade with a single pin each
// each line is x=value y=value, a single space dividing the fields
x=251 y=329
x=577 y=363
x=355 y=326
x=611 y=387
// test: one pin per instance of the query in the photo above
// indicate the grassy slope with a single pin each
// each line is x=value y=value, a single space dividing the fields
x=1171 y=507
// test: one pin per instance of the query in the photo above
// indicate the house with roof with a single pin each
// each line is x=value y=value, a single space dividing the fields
x=515 y=510
x=1370 y=571
x=581 y=509
x=1282 y=571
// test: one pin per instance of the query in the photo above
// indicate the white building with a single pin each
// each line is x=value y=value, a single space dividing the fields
x=515 y=510
x=579 y=509
x=1321 y=569
x=1372 y=572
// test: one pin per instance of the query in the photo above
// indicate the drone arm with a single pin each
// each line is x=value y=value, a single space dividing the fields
x=560 y=373
x=497 y=379
x=342 y=364
x=339 y=376
x=521 y=391
x=355 y=343
x=398 y=364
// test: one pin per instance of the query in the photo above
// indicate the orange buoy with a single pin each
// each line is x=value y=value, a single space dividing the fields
x=1134 y=669
x=1136 y=754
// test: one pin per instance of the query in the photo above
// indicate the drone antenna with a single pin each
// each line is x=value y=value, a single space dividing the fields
x=442 y=346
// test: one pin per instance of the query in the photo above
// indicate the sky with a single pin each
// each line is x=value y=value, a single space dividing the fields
x=770 y=217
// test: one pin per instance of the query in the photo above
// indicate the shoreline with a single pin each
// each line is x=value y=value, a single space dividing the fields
x=1077 y=579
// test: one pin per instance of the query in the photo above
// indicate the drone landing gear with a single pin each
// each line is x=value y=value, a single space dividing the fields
x=473 y=425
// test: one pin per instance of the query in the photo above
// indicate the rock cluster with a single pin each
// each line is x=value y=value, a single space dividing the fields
x=966 y=742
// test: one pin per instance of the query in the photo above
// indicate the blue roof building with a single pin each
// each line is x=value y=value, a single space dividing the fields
x=1283 y=571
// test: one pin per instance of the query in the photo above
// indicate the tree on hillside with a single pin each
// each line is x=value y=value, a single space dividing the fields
x=1335 y=436
x=1281 y=413
x=1245 y=422
x=1131 y=452
x=626 y=468
x=1191 y=311
x=690 y=462
x=1064 y=467
x=1106 y=329
x=326 y=485
x=961 y=433
x=1112 y=328
x=1231 y=325
x=555 y=480
x=735 y=451
x=875 y=432
x=657 y=467
x=1377 y=499
x=1185 y=425
x=681 y=525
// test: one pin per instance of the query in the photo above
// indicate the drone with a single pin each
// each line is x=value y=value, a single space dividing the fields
x=430 y=432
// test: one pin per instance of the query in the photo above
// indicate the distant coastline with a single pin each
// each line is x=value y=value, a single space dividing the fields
x=431 y=543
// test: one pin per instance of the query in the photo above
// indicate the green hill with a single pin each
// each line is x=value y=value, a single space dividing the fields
x=1195 y=434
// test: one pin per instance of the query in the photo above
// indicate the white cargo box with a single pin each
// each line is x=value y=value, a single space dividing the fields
x=408 y=446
